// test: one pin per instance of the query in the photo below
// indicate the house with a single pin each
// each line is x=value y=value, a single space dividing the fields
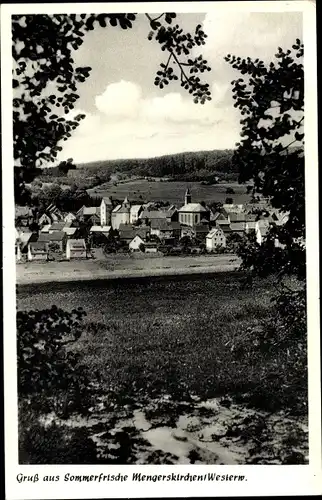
x=45 y=220
x=151 y=247
x=76 y=249
x=232 y=207
x=170 y=215
x=261 y=229
x=106 y=208
x=135 y=212
x=128 y=232
x=215 y=238
x=70 y=217
x=37 y=250
x=200 y=232
x=164 y=229
x=238 y=227
x=136 y=243
x=121 y=214
x=58 y=237
x=101 y=229
x=86 y=213
x=191 y=214
x=187 y=231
x=57 y=227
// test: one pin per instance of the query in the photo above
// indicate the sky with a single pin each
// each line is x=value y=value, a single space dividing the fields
x=127 y=116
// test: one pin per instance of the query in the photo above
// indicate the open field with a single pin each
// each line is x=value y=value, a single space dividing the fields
x=121 y=266
x=173 y=192
x=175 y=334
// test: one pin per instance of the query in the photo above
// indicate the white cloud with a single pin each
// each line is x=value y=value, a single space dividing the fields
x=128 y=124
x=121 y=99
x=131 y=122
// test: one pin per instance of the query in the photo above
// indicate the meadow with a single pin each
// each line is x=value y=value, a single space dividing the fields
x=172 y=192
x=177 y=336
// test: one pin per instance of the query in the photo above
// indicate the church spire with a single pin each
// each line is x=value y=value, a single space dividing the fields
x=187 y=198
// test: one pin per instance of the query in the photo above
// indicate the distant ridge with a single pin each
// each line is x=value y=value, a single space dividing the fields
x=189 y=166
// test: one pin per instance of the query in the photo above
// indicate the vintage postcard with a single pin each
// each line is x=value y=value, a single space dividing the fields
x=161 y=283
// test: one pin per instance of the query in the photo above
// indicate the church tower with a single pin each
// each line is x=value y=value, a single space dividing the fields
x=187 y=197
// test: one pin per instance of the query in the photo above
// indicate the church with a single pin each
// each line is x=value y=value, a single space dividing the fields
x=192 y=214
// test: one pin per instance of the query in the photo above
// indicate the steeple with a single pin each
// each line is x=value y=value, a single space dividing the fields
x=187 y=198
x=126 y=202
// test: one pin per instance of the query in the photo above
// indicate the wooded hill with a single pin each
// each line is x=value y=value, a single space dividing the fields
x=193 y=166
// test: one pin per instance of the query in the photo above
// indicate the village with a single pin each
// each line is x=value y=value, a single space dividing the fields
x=94 y=231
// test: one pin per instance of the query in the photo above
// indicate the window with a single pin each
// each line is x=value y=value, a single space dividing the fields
x=196 y=219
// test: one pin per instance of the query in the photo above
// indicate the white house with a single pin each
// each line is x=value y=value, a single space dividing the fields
x=100 y=229
x=261 y=229
x=76 y=249
x=105 y=211
x=70 y=217
x=37 y=250
x=135 y=212
x=134 y=244
x=215 y=238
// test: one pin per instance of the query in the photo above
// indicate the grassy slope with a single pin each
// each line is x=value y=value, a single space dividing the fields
x=179 y=337
x=173 y=192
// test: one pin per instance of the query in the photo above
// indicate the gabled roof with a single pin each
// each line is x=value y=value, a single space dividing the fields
x=56 y=236
x=137 y=237
x=193 y=207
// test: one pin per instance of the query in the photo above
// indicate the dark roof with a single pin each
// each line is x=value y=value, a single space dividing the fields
x=38 y=246
x=151 y=244
x=154 y=214
x=201 y=228
x=57 y=236
x=129 y=232
x=161 y=224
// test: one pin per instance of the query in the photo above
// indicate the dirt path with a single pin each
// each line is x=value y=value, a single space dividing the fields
x=120 y=267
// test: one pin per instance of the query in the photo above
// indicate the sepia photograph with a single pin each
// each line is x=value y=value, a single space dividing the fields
x=159 y=172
